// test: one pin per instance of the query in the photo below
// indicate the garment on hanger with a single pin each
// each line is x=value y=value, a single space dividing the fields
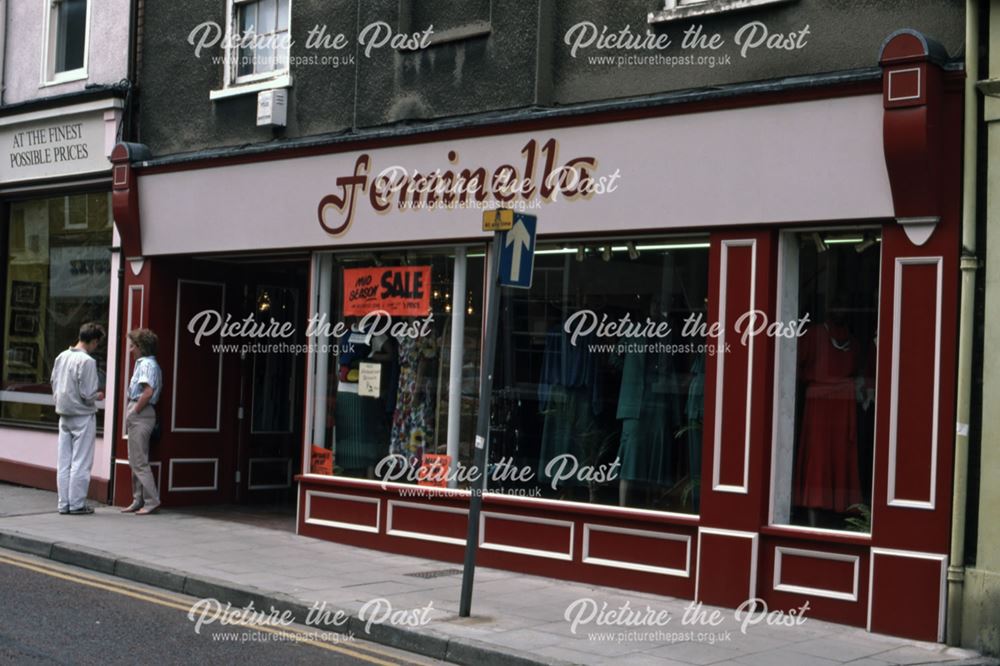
x=650 y=412
x=826 y=471
x=694 y=412
x=569 y=396
x=413 y=418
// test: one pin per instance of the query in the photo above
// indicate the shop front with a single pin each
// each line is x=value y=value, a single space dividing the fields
x=731 y=377
x=60 y=271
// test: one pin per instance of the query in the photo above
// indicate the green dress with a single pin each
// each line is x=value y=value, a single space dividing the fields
x=650 y=414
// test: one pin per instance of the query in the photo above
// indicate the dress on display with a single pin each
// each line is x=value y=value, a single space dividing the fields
x=694 y=410
x=649 y=410
x=826 y=472
x=413 y=419
x=569 y=396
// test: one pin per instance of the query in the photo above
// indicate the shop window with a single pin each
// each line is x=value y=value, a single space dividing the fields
x=825 y=391
x=58 y=277
x=599 y=390
x=396 y=372
x=260 y=50
x=66 y=41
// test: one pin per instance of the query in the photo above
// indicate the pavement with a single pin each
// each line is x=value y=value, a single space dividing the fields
x=412 y=603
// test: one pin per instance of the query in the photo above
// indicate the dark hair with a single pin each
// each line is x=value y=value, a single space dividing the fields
x=144 y=340
x=91 y=331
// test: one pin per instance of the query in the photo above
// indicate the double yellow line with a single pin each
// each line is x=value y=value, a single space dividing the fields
x=369 y=653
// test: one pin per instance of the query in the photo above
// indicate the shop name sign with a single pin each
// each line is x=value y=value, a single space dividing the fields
x=54 y=147
x=538 y=176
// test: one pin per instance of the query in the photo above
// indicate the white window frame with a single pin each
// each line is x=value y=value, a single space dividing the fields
x=785 y=385
x=49 y=77
x=248 y=83
x=675 y=10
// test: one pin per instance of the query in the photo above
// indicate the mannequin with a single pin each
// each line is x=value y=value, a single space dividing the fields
x=826 y=471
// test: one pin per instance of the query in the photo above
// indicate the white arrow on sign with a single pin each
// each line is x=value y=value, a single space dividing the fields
x=520 y=237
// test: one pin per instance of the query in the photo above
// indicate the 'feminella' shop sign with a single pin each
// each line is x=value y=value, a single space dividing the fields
x=795 y=162
x=538 y=177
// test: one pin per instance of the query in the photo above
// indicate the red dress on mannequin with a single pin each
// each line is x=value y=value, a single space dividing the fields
x=826 y=472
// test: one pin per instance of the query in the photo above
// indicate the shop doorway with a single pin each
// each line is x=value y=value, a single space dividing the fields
x=269 y=395
x=234 y=436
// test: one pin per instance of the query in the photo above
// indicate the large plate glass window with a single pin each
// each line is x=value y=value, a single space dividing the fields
x=598 y=394
x=58 y=277
x=396 y=372
x=824 y=433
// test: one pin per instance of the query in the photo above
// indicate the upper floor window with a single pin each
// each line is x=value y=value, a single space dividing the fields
x=65 y=41
x=675 y=10
x=260 y=50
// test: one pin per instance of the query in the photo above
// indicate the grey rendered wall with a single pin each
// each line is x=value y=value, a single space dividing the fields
x=107 y=57
x=843 y=34
x=460 y=76
x=520 y=60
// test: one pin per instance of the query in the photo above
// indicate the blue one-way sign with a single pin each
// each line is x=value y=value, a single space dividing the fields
x=517 y=252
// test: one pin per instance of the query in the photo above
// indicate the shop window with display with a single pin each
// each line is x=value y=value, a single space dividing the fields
x=824 y=432
x=599 y=376
x=58 y=277
x=396 y=369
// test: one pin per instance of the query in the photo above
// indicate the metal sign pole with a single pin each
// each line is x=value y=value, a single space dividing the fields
x=482 y=426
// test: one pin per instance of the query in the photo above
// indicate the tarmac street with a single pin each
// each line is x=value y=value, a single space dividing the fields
x=56 y=613
x=234 y=567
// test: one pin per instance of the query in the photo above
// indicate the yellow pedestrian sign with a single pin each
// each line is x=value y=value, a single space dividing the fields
x=501 y=219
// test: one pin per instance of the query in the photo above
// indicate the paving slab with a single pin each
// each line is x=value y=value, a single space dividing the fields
x=517 y=619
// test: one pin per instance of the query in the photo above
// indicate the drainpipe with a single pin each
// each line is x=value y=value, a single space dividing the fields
x=969 y=265
x=3 y=48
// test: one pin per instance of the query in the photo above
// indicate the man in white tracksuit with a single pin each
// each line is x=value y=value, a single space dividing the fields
x=76 y=388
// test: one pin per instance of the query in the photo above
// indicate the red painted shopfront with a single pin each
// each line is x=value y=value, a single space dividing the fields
x=862 y=164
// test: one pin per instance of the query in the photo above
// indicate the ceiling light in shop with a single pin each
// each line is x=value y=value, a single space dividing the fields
x=559 y=250
x=820 y=244
x=672 y=246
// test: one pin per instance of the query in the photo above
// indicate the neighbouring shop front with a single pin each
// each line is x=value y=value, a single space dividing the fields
x=730 y=378
x=60 y=272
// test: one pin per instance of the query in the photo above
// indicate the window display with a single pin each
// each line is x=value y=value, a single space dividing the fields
x=826 y=424
x=58 y=277
x=597 y=389
x=394 y=324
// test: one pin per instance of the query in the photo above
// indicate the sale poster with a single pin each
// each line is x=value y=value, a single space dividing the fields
x=401 y=291
x=322 y=461
x=434 y=470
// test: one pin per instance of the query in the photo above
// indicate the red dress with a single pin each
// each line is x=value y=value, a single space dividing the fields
x=826 y=471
